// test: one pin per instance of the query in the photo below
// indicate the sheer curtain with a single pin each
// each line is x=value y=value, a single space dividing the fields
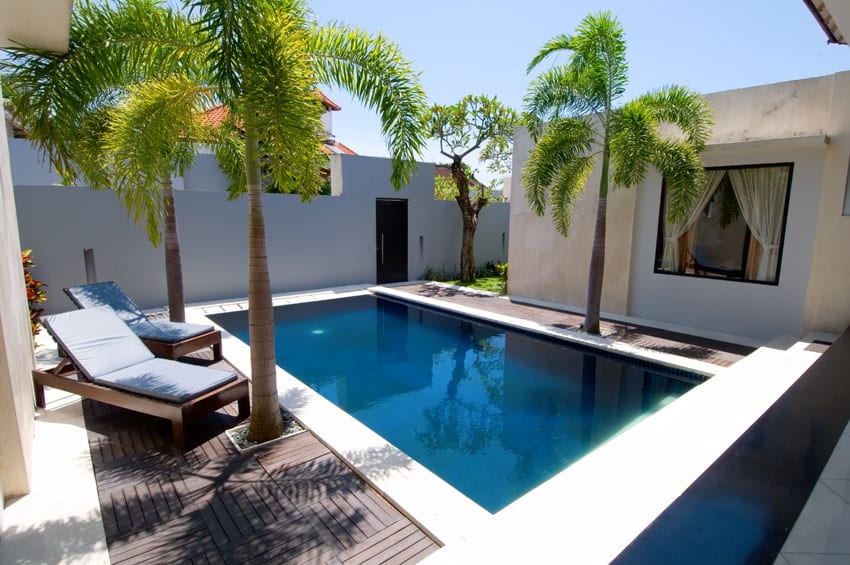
x=761 y=195
x=672 y=232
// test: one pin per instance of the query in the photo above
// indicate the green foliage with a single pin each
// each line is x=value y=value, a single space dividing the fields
x=578 y=101
x=444 y=188
x=472 y=124
x=35 y=291
x=373 y=69
x=493 y=277
x=730 y=210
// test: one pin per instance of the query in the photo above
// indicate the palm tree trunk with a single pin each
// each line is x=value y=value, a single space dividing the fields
x=597 y=256
x=265 y=422
x=173 y=263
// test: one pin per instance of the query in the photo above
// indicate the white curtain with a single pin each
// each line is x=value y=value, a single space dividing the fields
x=761 y=195
x=672 y=232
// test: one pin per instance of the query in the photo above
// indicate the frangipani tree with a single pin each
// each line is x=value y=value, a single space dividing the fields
x=263 y=59
x=586 y=126
x=474 y=124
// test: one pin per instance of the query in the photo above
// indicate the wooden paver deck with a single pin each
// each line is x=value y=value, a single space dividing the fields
x=707 y=350
x=292 y=501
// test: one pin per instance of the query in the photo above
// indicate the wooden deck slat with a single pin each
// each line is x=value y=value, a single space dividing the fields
x=374 y=549
x=290 y=502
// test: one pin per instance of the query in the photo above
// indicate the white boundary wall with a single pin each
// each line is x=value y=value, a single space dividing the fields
x=328 y=242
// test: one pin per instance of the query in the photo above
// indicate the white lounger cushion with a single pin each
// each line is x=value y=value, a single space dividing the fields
x=169 y=332
x=97 y=340
x=166 y=380
x=110 y=294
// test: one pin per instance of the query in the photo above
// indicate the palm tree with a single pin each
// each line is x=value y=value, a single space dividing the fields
x=67 y=102
x=263 y=59
x=578 y=100
x=266 y=58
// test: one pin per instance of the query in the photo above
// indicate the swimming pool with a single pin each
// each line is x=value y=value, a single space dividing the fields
x=494 y=412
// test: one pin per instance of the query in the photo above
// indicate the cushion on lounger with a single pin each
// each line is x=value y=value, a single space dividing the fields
x=110 y=294
x=97 y=340
x=106 y=294
x=166 y=379
x=169 y=332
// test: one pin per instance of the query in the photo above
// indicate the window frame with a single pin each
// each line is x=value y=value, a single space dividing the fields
x=659 y=230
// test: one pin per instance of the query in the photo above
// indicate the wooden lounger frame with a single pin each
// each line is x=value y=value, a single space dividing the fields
x=66 y=376
x=173 y=350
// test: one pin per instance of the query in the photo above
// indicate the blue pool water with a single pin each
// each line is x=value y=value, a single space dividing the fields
x=493 y=412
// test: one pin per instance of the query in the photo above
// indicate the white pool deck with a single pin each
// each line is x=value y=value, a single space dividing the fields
x=59 y=521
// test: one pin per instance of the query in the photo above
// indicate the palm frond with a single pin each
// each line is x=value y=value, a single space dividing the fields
x=683 y=174
x=557 y=93
x=599 y=54
x=558 y=162
x=151 y=135
x=373 y=69
x=682 y=107
x=632 y=136
x=279 y=99
x=568 y=186
x=553 y=45
x=110 y=47
x=229 y=146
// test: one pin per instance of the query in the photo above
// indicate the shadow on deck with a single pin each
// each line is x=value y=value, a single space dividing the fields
x=292 y=501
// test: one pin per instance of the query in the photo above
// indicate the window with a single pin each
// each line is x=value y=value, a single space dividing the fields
x=735 y=229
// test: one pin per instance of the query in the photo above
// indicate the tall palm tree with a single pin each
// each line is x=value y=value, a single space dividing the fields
x=67 y=101
x=266 y=58
x=578 y=100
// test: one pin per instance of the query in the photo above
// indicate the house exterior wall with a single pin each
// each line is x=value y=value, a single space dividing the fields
x=784 y=122
x=16 y=353
x=328 y=242
x=827 y=306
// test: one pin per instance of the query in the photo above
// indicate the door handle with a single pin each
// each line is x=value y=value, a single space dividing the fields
x=382 y=249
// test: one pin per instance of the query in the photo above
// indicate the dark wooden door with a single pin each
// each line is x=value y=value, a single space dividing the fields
x=391 y=240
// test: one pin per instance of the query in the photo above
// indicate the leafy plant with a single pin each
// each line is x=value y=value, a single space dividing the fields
x=35 y=291
x=474 y=124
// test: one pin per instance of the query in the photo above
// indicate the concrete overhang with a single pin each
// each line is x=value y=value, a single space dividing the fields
x=834 y=17
x=39 y=24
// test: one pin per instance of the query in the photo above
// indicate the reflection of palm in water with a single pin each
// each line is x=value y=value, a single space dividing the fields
x=465 y=424
x=459 y=369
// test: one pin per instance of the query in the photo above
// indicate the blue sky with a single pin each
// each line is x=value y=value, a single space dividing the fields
x=482 y=47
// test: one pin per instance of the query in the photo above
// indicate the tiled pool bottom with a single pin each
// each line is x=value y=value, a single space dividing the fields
x=602 y=503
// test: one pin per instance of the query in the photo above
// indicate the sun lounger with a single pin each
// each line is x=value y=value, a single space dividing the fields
x=106 y=361
x=164 y=338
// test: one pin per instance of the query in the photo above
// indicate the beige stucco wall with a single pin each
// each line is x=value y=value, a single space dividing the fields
x=16 y=353
x=828 y=299
x=772 y=111
x=546 y=265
